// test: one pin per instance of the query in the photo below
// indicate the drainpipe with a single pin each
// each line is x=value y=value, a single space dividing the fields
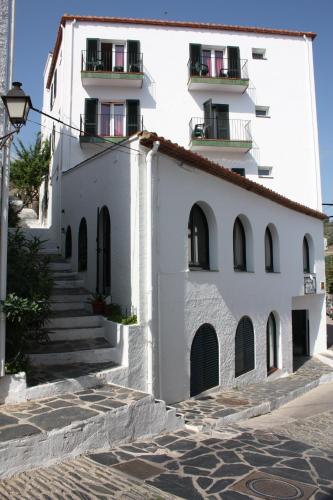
x=149 y=270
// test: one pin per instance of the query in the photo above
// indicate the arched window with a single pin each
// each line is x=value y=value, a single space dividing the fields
x=204 y=360
x=68 y=243
x=271 y=344
x=239 y=242
x=269 y=264
x=244 y=347
x=198 y=239
x=306 y=255
x=83 y=246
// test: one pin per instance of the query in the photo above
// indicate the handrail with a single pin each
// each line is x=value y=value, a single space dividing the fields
x=111 y=61
x=218 y=67
x=220 y=128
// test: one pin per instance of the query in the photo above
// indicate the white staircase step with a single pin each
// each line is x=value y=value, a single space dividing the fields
x=76 y=333
x=68 y=283
x=60 y=266
x=64 y=274
x=77 y=319
x=75 y=296
x=67 y=306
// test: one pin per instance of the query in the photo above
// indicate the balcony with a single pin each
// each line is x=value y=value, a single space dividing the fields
x=117 y=69
x=310 y=284
x=217 y=134
x=108 y=128
x=218 y=74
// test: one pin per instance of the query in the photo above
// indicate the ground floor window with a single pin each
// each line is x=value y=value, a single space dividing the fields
x=244 y=347
x=271 y=344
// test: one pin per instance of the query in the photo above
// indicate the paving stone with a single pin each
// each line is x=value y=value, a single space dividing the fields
x=296 y=463
x=6 y=420
x=228 y=470
x=17 y=432
x=59 y=403
x=323 y=467
x=288 y=473
x=92 y=397
x=195 y=471
x=220 y=485
x=207 y=461
x=182 y=445
x=259 y=459
x=61 y=418
x=138 y=468
x=180 y=486
x=201 y=450
x=204 y=482
x=106 y=458
x=229 y=457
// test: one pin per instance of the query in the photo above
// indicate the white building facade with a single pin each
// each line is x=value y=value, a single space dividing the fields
x=213 y=263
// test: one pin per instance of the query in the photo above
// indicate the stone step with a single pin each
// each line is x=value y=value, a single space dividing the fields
x=60 y=266
x=71 y=283
x=48 y=430
x=69 y=305
x=95 y=350
x=70 y=295
x=73 y=319
x=76 y=333
x=64 y=274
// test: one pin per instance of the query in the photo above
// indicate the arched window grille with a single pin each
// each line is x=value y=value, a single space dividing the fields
x=306 y=255
x=198 y=239
x=239 y=242
x=269 y=262
x=244 y=347
x=204 y=360
x=68 y=243
x=83 y=246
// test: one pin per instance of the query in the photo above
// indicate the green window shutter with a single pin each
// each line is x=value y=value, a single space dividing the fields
x=234 y=70
x=55 y=84
x=221 y=118
x=91 y=53
x=90 y=116
x=208 y=118
x=133 y=56
x=133 y=116
x=195 y=58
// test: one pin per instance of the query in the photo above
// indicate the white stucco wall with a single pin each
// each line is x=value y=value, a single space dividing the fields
x=187 y=299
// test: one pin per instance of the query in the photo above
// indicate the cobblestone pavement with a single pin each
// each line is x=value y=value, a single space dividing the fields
x=44 y=415
x=207 y=411
x=231 y=463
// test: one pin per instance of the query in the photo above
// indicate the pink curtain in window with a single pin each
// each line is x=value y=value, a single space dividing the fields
x=105 y=119
x=118 y=120
x=119 y=59
x=206 y=59
x=218 y=63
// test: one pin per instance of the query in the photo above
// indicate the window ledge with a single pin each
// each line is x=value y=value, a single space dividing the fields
x=202 y=270
x=260 y=116
x=243 y=271
x=273 y=272
x=265 y=176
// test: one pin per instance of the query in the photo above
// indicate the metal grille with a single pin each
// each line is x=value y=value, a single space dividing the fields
x=204 y=360
x=244 y=347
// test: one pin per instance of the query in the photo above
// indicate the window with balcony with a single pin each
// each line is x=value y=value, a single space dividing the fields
x=221 y=62
x=110 y=119
x=112 y=56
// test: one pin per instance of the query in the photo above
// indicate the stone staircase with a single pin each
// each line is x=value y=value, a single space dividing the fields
x=76 y=345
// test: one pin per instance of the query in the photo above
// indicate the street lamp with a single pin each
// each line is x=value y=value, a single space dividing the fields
x=17 y=105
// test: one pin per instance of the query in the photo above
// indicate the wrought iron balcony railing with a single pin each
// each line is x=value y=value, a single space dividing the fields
x=218 y=67
x=220 y=129
x=112 y=61
x=110 y=125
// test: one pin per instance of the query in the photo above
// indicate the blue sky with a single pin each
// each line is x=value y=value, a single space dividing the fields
x=37 y=23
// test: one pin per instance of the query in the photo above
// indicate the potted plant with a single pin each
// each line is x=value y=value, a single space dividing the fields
x=97 y=302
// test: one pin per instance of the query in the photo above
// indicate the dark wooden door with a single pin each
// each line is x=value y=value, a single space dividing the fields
x=204 y=360
x=300 y=332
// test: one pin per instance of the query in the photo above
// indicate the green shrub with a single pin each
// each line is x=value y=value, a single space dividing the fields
x=115 y=313
x=27 y=305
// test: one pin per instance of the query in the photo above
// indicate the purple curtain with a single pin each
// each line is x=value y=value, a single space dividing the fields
x=118 y=120
x=206 y=59
x=218 y=63
x=119 y=56
x=105 y=120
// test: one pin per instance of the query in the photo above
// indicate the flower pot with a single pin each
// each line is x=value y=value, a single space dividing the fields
x=98 y=307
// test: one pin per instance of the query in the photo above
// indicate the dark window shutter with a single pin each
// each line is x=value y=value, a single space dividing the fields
x=90 y=116
x=268 y=251
x=306 y=256
x=133 y=56
x=133 y=116
x=83 y=246
x=244 y=347
x=91 y=53
x=239 y=243
x=195 y=58
x=208 y=118
x=55 y=84
x=234 y=70
x=68 y=244
x=221 y=118
x=204 y=360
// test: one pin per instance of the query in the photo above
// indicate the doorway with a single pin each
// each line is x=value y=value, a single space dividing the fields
x=300 y=332
x=103 y=251
x=204 y=360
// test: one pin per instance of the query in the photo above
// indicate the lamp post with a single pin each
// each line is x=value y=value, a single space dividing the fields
x=17 y=106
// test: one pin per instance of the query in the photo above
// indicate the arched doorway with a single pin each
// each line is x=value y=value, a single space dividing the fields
x=204 y=360
x=103 y=251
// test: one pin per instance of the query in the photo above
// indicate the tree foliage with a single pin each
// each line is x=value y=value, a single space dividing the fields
x=30 y=169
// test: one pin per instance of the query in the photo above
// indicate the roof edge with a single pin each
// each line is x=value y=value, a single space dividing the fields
x=197 y=161
x=173 y=24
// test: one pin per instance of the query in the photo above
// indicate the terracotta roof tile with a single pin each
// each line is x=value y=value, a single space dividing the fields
x=166 y=23
x=197 y=161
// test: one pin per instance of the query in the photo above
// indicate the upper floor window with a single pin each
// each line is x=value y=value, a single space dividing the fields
x=215 y=61
x=198 y=239
x=265 y=171
x=258 y=53
x=112 y=56
x=306 y=255
x=269 y=262
x=262 y=111
x=239 y=243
